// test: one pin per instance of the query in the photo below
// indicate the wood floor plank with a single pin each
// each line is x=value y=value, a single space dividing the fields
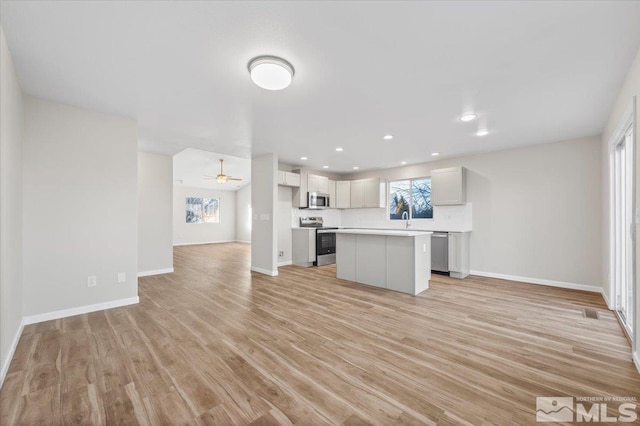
x=214 y=344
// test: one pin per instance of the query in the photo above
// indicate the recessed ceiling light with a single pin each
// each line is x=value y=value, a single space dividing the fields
x=482 y=132
x=325 y=167
x=270 y=72
x=435 y=154
x=303 y=158
x=468 y=117
x=403 y=163
x=355 y=167
x=339 y=149
x=387 y=137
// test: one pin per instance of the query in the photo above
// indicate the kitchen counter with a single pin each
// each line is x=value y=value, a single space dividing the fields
x=395 y=259
x=387 y=232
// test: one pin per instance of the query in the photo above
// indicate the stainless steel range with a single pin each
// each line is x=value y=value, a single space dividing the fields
x=325 y=240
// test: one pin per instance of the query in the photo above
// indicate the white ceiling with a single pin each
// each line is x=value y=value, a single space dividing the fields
x=190 y=165
x=535 y=72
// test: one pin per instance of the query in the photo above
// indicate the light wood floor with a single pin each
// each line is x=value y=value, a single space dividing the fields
x=214 y=344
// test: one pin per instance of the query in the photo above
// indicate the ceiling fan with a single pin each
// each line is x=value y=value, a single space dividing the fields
x=221 y=177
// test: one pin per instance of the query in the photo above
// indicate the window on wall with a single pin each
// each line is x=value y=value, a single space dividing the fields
x=412 y=196
x=203 y=210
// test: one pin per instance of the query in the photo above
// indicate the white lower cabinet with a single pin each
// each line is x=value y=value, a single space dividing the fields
x=303 y=246
x=371 y=260
x=459 y=254
x=400 y=263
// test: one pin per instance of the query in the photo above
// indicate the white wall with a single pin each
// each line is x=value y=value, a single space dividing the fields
x=536 y=210
x=629 y=89
x=155 y=213
x=11 y=133
x=80 y=207
x=203 y=233
x=264 y=199
x=243 y=214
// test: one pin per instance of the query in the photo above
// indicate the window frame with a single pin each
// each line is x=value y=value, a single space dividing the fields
x=388 y=215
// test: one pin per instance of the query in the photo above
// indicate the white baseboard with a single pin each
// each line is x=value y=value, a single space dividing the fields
x=155 y=272
x=242 y=241
x=529 y=280
x=265 y=271
x=203 y=242
x=636 y=360
x=285 y=263
x=32 y=319
x=606 y=299
x=12 y=350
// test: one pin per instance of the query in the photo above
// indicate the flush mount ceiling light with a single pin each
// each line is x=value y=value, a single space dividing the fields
x=325 y=167
x=435 y=154
x=271 y=72
x=482 y=132
x=387 y=137
x=339 y=149
x=303 y=158
x=403 y=163
x=355 y=167
x=468 y=117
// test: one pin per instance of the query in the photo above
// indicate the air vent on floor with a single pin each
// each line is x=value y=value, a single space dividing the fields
x=590 y=313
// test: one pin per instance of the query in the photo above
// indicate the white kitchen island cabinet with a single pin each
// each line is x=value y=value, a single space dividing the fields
x=391 y=259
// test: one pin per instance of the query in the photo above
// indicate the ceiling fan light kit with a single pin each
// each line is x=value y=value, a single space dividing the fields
x=221 y=177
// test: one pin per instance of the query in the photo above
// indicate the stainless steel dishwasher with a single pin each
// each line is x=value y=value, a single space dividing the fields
x=440 y=252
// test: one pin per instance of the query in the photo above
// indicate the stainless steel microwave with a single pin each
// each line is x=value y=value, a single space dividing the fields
x=317 y=200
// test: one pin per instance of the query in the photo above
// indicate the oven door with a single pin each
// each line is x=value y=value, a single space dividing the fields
x=325 y=243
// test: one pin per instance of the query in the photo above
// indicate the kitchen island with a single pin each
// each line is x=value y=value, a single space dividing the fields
x=393 y=259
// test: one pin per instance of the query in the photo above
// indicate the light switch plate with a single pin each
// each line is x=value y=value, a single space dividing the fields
x=122 y=277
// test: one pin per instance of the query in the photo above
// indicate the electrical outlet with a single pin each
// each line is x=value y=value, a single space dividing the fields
x=281 y=254
x=92 y=281
x=122 y=277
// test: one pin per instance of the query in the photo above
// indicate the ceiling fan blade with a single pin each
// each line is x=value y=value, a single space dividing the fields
x=208 y=177
x=232 y=178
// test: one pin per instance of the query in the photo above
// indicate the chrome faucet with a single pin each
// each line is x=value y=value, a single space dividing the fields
x=405 y=216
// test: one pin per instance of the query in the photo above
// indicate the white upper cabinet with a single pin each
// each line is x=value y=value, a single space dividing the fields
x=313 y=183
x=323 y=185
x=357 y=194
x=316 y=183
x=448 y=186
x=332 y=194
x=374 y=192
x=288 y=179
x=343 y=194
x=367 y=193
